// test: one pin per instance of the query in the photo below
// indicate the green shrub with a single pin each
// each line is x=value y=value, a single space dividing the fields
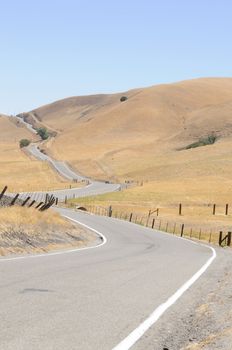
x=123 y=98
x=43 y=133
x=24 y=143
x=209 y=140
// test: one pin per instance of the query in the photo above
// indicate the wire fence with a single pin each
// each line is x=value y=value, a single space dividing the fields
x=153 y=221
x=26 y=200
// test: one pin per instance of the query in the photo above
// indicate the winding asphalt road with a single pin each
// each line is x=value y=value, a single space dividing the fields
x=94 y=298
x=27 y=125
x=92 y=188
x=100 y=298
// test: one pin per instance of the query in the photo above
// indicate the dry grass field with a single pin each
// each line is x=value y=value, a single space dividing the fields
x=143 y=139
x=28 y=230
x=197 y=212
x=17 y=170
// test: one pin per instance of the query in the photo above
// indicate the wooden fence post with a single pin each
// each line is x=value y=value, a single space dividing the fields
x=31 y=204
x=180 y=209
x=46 y=198
x=130 y=219
x=47 y=205
x=214 y=209
x=25 y=202
x=39 y=205
x=148 y=217
x=153 y=223
x=220 y=238
x=110 y=211
x=167 y=227
x=182 y=230
x=199 y=237
x=3 y=192
x=227 y=208
x=210 y=236
x=229 y=239
x=14 y=199
x=157 y=211
x=174 y=228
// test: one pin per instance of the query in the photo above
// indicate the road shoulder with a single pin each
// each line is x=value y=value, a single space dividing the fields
x=202 y=318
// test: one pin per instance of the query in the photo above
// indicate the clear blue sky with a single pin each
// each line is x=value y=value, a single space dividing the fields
x=58 y=48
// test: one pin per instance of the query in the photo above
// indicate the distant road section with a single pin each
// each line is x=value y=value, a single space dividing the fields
x=61 y=167
x=27 y=125
x=93 y=187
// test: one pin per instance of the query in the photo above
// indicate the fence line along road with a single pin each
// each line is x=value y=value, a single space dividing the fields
x=26 y=201
x=153 y=221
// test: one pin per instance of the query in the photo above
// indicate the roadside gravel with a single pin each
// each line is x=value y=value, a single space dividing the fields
x=202 y=319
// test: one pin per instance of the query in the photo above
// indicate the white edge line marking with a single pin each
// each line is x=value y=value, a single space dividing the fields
x=104 y=240
x=136 y=334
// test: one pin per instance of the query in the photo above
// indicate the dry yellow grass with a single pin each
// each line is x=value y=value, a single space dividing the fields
x=28 y=230
x=197 y=205
x=212 y=340
x=105 y=138
x=140 y=139
x=19 y=216
x=19 y=171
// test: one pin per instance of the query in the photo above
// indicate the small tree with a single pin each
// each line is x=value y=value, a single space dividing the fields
x=43 y=133
x=123 y=98
x=24 y=143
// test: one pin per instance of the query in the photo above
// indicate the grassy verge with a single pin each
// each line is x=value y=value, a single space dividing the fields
x=26 y=230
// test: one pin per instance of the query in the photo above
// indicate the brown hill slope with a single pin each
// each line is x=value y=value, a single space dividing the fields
x=139 y=138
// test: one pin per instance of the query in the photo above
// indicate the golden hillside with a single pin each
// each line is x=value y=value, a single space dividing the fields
x=141 y=137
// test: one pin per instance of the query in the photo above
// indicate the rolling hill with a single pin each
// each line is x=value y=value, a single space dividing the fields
x=141 y=138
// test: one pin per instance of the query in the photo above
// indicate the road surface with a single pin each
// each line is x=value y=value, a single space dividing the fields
x=102 y=298
x=93 y=187
x=93 y=299
x=27 y=125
